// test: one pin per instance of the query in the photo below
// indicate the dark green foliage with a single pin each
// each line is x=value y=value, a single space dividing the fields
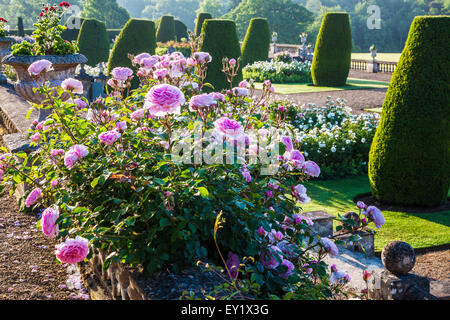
x=201 y=17
x=73 y=28
x=166 y=29
x=137 y=36
x=20 y=30
x=332 y=54
x=93 y=41
x=180 y=30
x=257 y=42
x=410 y=155
x=112 y=34
x=220 y=40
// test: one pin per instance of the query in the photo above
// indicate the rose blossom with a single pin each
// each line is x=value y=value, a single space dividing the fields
x=233 y=265
x=299 y=191
x=290 y=269
x=33 y=197
x=361 y=205
x=81 y=150
x=149 y=62
x=228 y=128
x=288 y=143
x=41 y=65
x=48 y=222
x=72 y=250
x=330 y=246
x=54 y=183
x=80 y=103
x=122 y=74
x=121 y=126
x=72 y=85
x=243 y=84
x=163 y=99
x=268 y=260
x=232 y=62
x=375 y=214
x=35 y=137
x=261 y=231
x=202 y=57
x=218 y=96
x=109 y=137
x=240 y=92
x=137 y=59
x=311 y=169
x=201 y=101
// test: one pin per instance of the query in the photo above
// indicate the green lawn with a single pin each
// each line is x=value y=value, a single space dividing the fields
x=377 y=110
x=352 y=84
x=391 y=57
x=419 y=230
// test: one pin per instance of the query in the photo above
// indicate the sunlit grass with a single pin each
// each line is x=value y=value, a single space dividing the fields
x=419 y=230
x=391 y=57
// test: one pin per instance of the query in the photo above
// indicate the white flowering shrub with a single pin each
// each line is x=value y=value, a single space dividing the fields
x=278 y=72
x=338 y=141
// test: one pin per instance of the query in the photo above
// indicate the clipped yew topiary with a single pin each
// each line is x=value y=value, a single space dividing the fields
x=256 y=44
x=409 y=161
x=166 y=29
x=180 y=30
x=332 y=54
x=93 y=41
x=137 y=36
x=201 y=17
x=220 y=40
x=20 y=30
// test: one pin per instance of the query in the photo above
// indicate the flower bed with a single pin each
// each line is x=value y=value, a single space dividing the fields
x=183 y=47
x=166 y=175
x=331 y=136
x=279 y=72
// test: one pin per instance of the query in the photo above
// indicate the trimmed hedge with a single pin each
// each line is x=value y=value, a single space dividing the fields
x=256 y=43
x=137 y=36
x=332 y=54
x=166 y=29
x=112 y=34
x=201 y=17
x=410 y=155
x=93 y=41
x=71 y=34
x=220 y=40
x=180 y=30
x=20 y=29
x=15 y=32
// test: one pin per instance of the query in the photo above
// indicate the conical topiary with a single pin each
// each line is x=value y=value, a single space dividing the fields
x=201 y=17
x=93 y=41
x=20 y=30
x=137 y=36
x=220 y=40
x=180 y=30
x=332 y=54
x=409 y=162
x=256 y=44
x=166 y=29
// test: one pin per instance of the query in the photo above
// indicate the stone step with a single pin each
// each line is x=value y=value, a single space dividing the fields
x=323 y=222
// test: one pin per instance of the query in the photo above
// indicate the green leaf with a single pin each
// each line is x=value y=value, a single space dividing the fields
x=164 y=222
x=203 y=192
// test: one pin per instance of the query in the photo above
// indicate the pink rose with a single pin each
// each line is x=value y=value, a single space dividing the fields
x=80 y=103
x=72 y=85
x=70 y=158
x=218 y=96
x=202 y=57
x=240 y=92
x=138 y=114
x=35 y=137
x=121 y=126
x=330 y=246
x=375 y=214
x=81 y=150
x=201 y=101
x=159 y=74
x=261 y=231
x=232 y=62
x=164 y=99
x=137 y=59
x=311 y=169
x=228 y=128
x=268 y=259
x=48 y=222
x=109 y=137
x=72 y=250
x=149 y=62
x=122 y=74
x=33 y=197
x=288 y=143
x=54 y=183
x=243 y=84
x=41 y=65
x=290 y=269
x=361 y=205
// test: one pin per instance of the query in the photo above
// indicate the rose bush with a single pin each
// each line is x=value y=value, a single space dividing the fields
x=166 y=174
x=338 y=141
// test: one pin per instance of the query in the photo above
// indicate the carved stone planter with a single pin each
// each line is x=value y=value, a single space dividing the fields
x=64 y=67
x=5 y=42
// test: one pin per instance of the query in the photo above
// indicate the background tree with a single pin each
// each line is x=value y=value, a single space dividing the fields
x=285 y=17
x=107 y=11
x=134 y=7
x=213 y=7
x=183 y=10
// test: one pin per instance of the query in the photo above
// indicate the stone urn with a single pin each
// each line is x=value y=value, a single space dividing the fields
x=64 y=67
x=5 y=42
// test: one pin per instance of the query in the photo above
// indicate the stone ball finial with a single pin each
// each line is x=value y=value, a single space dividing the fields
x=398 y=257
x=354 y=216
